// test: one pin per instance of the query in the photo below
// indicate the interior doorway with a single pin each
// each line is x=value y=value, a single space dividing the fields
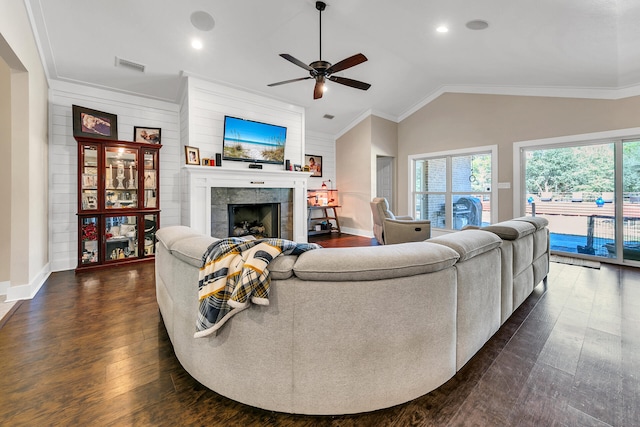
x=385 y=180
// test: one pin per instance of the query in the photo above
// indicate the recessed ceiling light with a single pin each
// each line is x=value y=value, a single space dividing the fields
x=477 y=24
x=196 y=44
x=442 y=29
x=202 y=20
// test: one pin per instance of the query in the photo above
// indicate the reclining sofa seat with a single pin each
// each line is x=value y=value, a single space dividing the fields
x=389 y=229
x=347 y=330
x=524 y=258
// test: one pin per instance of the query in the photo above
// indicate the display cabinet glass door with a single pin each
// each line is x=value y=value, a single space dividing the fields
x=121 y=237
x=89 y=177
x=150 y=179
x=121 y=190
x=150 y=227
x=89 y=240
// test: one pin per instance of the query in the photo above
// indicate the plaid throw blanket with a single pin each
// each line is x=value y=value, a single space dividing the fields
x=234 y=272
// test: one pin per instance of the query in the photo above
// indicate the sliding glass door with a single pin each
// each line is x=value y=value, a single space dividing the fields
x=630 y=239
x=590 y=194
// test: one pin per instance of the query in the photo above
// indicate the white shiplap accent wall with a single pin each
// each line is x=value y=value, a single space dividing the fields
x=202 y=119
x=323 y=145
x=131 y=111
x=319 y=144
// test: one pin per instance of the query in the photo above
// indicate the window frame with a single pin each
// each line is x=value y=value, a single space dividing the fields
x=491 y=150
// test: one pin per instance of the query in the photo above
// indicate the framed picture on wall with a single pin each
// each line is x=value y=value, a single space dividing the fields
x=314 y=163
x=148 y=135
x=94 y=124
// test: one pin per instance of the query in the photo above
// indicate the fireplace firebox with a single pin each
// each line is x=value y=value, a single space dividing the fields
x=260 y=220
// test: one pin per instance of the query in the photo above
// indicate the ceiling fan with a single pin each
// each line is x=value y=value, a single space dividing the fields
x=322 y=70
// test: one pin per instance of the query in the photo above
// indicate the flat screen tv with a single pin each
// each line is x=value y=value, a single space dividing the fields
x=250 y=141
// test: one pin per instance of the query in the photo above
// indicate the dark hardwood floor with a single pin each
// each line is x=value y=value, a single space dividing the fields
x=91 y=349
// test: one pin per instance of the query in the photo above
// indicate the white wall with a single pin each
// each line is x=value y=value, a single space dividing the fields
x=131 y=111
x=323 y=145
x=202 y=112
x=27 y=193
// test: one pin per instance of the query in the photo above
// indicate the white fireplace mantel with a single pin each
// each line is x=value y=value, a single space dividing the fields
x=200 y=179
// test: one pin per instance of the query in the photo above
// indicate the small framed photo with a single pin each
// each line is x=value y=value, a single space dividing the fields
x=94 y=124
x=314 y=163
x=297 y=168
x=148 y=135
x=192 y=155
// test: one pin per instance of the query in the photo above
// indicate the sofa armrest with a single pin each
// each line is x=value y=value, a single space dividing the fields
x=401 y=231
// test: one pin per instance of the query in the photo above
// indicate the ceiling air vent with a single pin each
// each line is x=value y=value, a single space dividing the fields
x=121 y=62
x=328 y=116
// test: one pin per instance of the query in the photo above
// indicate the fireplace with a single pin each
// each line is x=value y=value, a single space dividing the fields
x=207 y=191
x=260 y=220
x=270 y=207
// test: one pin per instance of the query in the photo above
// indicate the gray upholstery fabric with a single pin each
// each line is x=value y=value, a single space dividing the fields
x=538 y=222
x=169 y=235
x=511 y=230
x=373 y=263
x=281 y=267
x=478 y=301
x=389 y=229
x=372 y=344
x=191 y=249
x=470 y=243
x=347 y=330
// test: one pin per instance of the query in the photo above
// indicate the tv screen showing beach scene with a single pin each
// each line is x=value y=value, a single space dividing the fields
x=250 y=141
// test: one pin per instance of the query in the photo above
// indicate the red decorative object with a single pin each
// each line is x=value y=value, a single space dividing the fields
x=89 y=232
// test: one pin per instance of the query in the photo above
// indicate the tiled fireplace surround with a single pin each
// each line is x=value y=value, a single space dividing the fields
x=209 y=190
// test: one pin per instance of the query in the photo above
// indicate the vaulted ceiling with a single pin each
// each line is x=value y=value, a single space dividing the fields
x=541 y=47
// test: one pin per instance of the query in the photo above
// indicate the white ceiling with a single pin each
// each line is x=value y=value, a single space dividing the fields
x=563 y=47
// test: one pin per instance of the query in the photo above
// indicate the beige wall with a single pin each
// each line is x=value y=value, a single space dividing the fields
x=5 y=169
x=356 y=153
x=384 y=142
x=29 y=154
x=455 y=121
x=353 y=176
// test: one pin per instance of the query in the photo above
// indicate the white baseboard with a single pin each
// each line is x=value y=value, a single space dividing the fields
x=64 y=264
x=28 y=291
x=4 y=287
x=357 y=232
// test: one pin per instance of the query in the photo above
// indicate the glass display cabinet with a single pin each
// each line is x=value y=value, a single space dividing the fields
x=118 y=201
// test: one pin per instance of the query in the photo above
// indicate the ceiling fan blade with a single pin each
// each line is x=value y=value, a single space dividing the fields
x=289 y=81
x=297 y=62
x=352 y=61
x=318 y=90
x=350 y=82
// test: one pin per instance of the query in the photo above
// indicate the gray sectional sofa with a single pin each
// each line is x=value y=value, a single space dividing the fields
x=351 y=330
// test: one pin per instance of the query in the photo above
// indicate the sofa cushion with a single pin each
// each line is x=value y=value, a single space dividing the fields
x=538 y=222
x=469 y=243
x=511 y=230
x=281 y=268
x=192 y=248
x=169 y=235
x=374 y=262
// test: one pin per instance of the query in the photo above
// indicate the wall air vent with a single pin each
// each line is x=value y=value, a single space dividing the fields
x=121 y=62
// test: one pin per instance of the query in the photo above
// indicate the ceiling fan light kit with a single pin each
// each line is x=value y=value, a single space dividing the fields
x=321 y=71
